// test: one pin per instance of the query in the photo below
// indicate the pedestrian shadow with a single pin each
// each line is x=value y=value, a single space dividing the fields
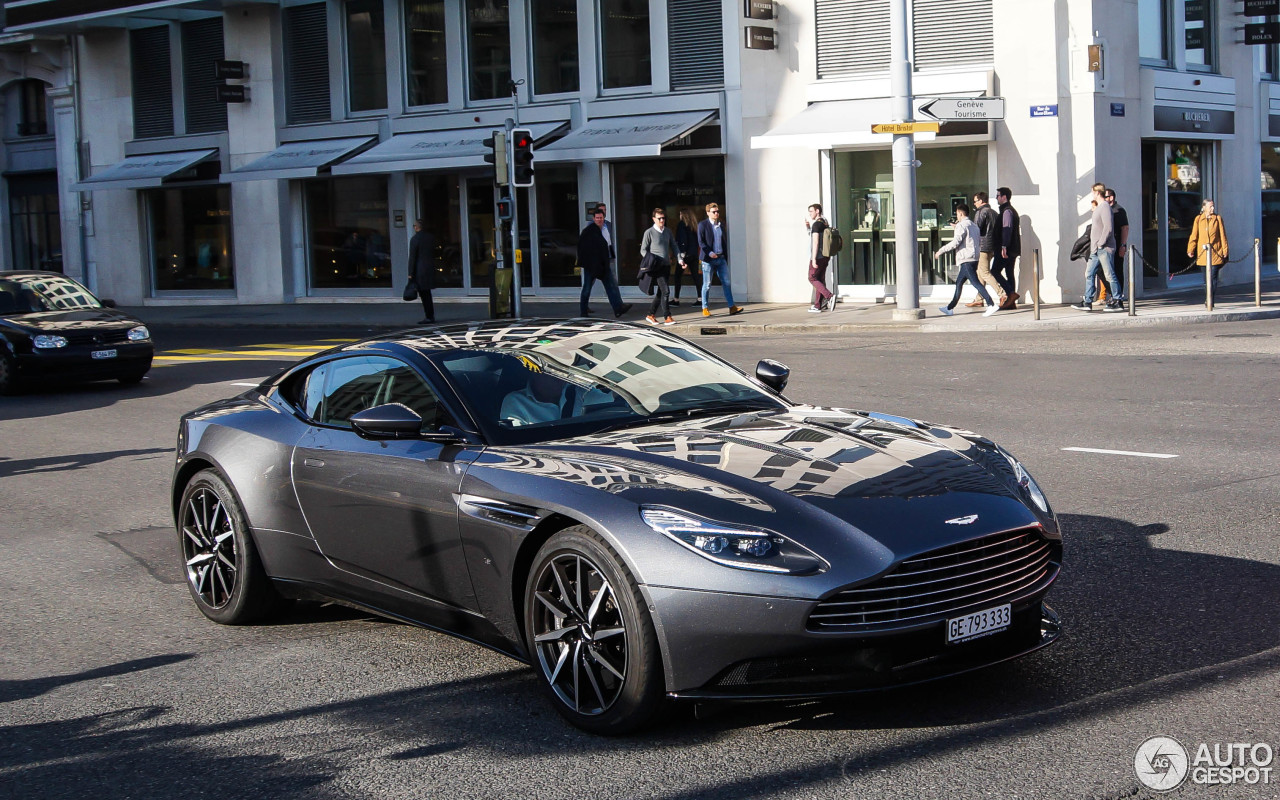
x=39 y=466
x=11 y=690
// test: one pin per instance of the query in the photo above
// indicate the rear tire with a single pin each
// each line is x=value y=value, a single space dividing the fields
x=8 y=374
x=590 y=636
x=224 y=573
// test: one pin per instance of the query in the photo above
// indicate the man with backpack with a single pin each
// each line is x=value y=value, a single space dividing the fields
x=824 y=242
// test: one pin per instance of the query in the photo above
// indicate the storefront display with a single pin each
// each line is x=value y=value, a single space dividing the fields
x=669 y=184
x=191 y=238
x=347 y=233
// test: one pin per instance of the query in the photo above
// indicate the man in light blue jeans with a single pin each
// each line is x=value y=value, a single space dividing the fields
x=713 y=241
x=1102 y=250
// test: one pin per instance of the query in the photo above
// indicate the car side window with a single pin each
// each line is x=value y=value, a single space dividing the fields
x=336 y=390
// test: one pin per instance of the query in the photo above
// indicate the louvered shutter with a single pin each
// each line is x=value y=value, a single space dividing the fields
x=853 y=37
x=201 y=46
x=945 y=34
x=306 y=52
x=695 y=30
x=152 y=82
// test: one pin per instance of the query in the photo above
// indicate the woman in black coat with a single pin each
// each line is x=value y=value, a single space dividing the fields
x=687 y=244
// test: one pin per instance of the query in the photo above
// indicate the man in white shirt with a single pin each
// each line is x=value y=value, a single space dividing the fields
x=965 y=243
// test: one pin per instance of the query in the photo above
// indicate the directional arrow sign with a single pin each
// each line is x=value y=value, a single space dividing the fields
x=905 y=127
x=974 y=108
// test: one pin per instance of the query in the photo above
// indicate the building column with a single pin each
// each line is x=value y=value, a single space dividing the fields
x=74 y=263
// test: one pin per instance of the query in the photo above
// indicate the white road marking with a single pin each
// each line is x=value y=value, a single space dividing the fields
x=250 y=385
x=1120 y=452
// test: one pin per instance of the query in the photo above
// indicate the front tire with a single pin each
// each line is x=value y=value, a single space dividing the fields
x=8 y=374
x=224 y=573
x=590 y=635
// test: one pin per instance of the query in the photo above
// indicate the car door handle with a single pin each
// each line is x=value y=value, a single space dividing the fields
x=312 y=462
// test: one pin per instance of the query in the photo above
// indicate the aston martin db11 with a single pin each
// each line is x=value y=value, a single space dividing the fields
x=633 y=516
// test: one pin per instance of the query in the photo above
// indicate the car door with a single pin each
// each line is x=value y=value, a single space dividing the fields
x=382 y=509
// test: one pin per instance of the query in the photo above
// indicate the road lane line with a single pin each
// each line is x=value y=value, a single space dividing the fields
x=1120 y=452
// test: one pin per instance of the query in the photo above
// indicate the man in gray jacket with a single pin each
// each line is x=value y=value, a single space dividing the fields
x=1102 y=250
x=965 y=244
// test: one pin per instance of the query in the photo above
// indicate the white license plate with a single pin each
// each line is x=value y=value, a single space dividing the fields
x=103 y=354
x=979 y=623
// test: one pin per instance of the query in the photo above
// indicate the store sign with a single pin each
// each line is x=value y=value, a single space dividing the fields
x=232 y=93
x=1262 y=33
x=1194 y=120
x=759 y=38
x=759 y=9
x=230 y=70
x=1193 y=10
x=1261 y=8
x=1273 y=126
x=1195 y=38
x=1117 y=109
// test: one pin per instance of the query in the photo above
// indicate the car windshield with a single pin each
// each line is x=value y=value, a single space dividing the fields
x=21 y=294
x=562 y=387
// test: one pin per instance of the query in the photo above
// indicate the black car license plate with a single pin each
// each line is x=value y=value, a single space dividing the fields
x=104 y=353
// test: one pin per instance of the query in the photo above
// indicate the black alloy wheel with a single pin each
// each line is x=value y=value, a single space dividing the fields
x=223 y=571
x=590 y=636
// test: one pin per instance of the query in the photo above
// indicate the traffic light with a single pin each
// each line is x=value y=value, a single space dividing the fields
x=504 y=209
x=521 y=157
x=497 y=156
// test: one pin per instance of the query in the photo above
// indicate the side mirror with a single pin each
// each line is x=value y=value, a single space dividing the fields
x=773 y=374
x=107 y=302
x=390 y=421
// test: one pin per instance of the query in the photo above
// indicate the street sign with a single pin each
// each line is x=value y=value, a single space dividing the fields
x=974 y=108
x=905 y=127
x=1045 y=111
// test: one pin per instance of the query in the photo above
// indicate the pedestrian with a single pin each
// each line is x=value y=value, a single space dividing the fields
x=422 y=266
x=687 y=242
x=1120 y=223
x=988 y=224
x=818 y=262
x=607 y=231
x=594 y=260
x=1102 y=250
x=659 y=243
x=713 y=241
x=1007 y=249
x=965 y=245
x=1207 y=229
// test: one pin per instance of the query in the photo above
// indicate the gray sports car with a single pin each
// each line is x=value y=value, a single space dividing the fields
x=632 y=515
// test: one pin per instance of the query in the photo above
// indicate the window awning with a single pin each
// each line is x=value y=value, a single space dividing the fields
x=144 y=172
x=297 y=160
x=842 y=123
x=613 y=138
x=432 y=150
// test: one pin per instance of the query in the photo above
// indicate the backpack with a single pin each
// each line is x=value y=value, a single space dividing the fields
x=832 y=242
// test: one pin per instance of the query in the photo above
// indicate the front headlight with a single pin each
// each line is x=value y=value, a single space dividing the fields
x=139 y=334
x=1027 y=482
x=47 y=341
x=734 y=545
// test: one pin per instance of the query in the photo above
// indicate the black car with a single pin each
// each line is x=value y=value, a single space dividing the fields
x=53 y=328
x=630 y=514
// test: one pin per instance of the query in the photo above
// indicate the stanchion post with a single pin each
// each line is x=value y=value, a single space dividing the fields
x=1208 y=281
x=1257 y=272
x=1035 y=286
x=1128 y=282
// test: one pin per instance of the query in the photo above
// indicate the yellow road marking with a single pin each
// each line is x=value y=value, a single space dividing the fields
x=248 y=352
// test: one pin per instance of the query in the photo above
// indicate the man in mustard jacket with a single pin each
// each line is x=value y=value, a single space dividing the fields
x=1207 y=229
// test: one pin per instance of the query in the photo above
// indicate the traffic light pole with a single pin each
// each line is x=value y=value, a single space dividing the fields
x=516 y=305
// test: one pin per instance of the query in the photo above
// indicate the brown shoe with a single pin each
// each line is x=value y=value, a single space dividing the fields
x=735 y=310
x=977 y=303
x=706 y=312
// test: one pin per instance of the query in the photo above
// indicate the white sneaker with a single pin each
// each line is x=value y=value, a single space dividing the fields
x=946 y=312
x=990 y=310
x=814 y=310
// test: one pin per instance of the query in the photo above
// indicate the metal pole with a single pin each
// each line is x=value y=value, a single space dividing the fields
x=904 y=168
x=516 y=305
x=1257 y=273
x=1208 y=281
x=1133 y=304
x=1035 y=285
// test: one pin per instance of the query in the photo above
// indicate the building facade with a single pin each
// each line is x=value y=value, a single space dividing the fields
x=127 y=164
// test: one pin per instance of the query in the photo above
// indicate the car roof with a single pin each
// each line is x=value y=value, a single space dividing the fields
x=14 y=273
x=495 y=334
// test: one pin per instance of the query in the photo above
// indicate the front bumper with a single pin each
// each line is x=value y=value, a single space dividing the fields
x=740 y=647
x=76 y=362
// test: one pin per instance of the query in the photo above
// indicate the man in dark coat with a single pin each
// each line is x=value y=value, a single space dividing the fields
x=593 y=258
x=422 y=266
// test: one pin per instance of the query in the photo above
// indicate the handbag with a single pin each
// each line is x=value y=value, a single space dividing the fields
x=411 y=289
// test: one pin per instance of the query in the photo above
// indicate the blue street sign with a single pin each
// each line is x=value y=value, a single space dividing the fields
x=1045 y=111
x=1117 y=109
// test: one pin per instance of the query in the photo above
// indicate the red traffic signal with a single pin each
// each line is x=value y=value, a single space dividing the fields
x=521 y=157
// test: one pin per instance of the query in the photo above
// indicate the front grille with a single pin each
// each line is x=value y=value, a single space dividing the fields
x=937 y=584
x=96 y=337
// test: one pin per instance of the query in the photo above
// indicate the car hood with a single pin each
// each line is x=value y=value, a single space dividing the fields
x=78 y=320
x=910 y=486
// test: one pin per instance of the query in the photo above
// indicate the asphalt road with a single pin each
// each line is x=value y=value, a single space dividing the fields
x=113 y=685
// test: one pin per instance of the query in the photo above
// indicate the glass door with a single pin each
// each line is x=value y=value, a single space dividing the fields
x=1185 y=184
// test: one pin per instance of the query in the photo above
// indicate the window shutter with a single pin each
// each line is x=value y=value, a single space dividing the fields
x=853 y=37
x=696 y=39
x=306 y=52
x=946 y=35
x=152 y=82
x=201 y=46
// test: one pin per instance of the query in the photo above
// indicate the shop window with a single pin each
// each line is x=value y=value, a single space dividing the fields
x=152 y=82
x=366 y=56
x=488 y=49
x=347 y=233
x=1270 y=197
x=33 y=119
x=201 y=47
x=559 y=221
x=1153 y=30
x=670 y=184
x=425 y=54
x=555 y=46
x=306 y=64
x=440 y=207
x=624 y=43
x=191 y=238
x=34 y=222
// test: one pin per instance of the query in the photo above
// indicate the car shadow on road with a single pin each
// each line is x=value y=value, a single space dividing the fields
x=11 y=690
x=38 y=466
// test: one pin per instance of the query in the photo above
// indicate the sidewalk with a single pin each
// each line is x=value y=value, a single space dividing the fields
x=1178 y=308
